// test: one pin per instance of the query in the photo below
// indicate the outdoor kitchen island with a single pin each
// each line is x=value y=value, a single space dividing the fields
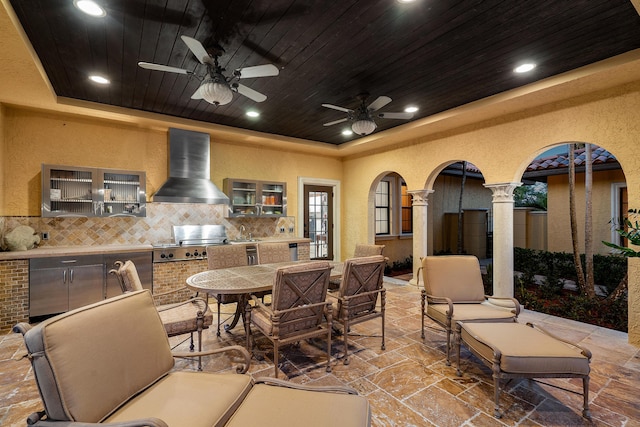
x=15 y=266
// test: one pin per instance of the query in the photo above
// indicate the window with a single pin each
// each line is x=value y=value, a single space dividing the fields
x=407 y=210
x=383 y=208
x=393 y=207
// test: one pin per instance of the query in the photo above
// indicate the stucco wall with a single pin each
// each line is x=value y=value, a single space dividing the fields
x=502 y=149
x=34 y=137
x=558 y=227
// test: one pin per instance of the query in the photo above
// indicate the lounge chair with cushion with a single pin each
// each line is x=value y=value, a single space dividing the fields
x=111 y=362
x=453 y=292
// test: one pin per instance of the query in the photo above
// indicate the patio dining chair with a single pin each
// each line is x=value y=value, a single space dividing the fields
x=297 y=310
x=273 y=252
x=357 y=297
x=185 y=317
x=226 y=256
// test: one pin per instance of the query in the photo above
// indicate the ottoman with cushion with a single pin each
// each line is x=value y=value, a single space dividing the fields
x=516 y=350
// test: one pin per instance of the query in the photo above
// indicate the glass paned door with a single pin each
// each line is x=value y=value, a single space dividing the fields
x=318 y=221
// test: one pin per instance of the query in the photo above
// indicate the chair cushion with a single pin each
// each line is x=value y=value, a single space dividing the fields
x=269 y=406
x=456 y=277
x=182 y=318
x=84 y=378
x=469 y=312
x=198 y=399
x=524 y=349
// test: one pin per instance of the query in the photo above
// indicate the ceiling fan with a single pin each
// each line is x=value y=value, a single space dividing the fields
x=215 y=87
x=362 y=118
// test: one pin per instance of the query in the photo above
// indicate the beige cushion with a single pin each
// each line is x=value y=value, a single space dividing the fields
x=268 y=406
x=178 y=319
x=93 y=376
x=196 y=399
x=469 y=312
x=367 y=250
x=457 y=277
x=525 y=350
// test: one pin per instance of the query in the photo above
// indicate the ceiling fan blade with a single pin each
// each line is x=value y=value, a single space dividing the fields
x=197 y=94
x=198 y=50
x=335 y=122
x=380 y=102
x=250 y=93
x=266 y=70
x=158 y=67
x=403 y=116
x=335 y=107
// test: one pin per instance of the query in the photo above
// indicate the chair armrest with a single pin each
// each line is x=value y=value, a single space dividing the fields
x=172 y=291
x=243 y=352
x=199 y=301
x=432 y=299
x=515 y=302
x=584 y=351
x=287 y=384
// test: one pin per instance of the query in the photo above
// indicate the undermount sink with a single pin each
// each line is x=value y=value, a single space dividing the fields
x=243 y=240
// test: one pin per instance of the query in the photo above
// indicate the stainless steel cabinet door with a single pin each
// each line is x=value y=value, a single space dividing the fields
x=85 y=284
x=48 y=291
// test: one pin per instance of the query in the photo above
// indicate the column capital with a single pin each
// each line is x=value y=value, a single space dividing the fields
x=503 y=192
x=419 y=197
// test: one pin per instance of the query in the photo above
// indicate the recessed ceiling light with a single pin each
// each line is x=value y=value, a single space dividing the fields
x=90 y=7
x=99 y=79
x=347 y=132
x=411 y=109
x=524 y=68
x=253 y=114
x=406 y=1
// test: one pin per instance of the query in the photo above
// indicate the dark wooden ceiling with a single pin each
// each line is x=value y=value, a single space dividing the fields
x=435 y=54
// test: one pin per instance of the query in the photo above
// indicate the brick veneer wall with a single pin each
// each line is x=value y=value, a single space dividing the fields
x=168 y=276
x=14 y=293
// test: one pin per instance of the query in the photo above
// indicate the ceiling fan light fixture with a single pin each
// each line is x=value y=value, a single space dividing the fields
x=363 y=127
x=411 y=109
x=216 y=93
x=347 y=132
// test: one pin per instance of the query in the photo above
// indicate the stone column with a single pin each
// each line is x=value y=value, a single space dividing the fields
x=420 y=234
x=503 y=238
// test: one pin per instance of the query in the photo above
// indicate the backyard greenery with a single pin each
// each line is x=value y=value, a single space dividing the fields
x=545 y=282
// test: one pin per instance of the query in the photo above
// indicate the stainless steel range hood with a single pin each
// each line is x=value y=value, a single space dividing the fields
x=189 y=171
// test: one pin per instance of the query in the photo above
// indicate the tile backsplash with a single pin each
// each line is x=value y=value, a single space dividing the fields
x=154 y=228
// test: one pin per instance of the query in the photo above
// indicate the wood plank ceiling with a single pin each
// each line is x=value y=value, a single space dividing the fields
x=433 y=54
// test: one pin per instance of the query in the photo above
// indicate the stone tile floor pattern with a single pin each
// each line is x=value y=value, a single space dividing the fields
x=409 y=384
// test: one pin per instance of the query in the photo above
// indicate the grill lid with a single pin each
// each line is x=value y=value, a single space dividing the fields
x=199 y=235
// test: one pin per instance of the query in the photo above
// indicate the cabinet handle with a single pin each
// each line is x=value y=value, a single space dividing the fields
x=64 y=276
x=71 y=276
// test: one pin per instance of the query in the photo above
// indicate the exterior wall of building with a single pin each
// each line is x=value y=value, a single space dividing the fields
x=559 y=229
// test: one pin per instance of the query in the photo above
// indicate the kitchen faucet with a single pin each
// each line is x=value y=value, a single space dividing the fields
x=242 y=231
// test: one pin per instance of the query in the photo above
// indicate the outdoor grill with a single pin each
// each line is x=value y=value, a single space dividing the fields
x=189 y=242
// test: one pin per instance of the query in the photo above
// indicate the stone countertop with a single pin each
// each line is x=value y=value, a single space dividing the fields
x=270 y=239
x=51 y=251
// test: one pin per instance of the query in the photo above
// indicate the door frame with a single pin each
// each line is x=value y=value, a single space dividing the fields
x=335 y=185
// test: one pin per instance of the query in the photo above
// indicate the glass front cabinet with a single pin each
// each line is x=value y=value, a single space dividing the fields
x=256 y=198
x=83 y=192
